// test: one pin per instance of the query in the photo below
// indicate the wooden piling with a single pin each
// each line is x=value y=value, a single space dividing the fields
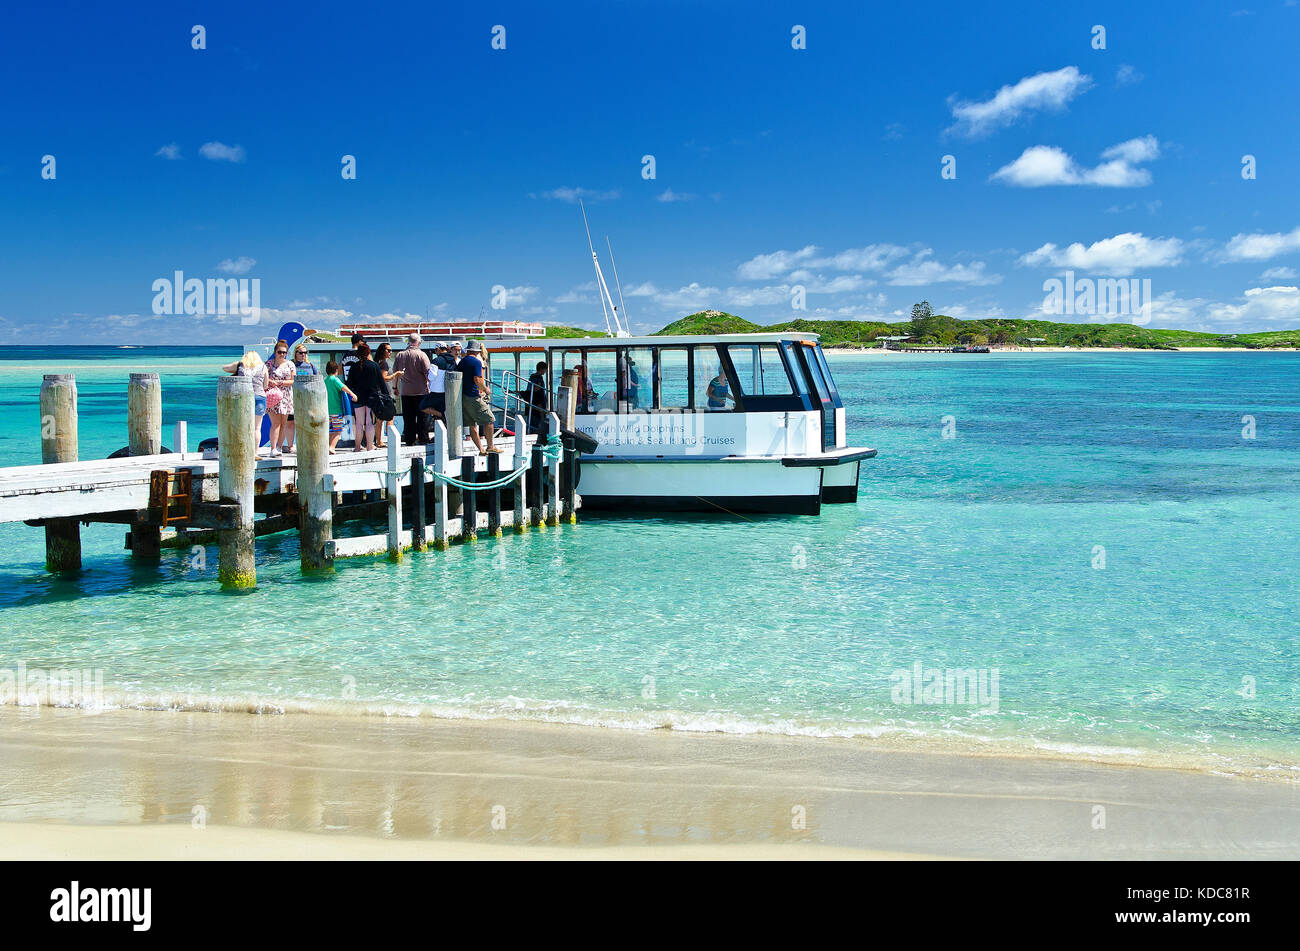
x=553 y=480
x=144 y=438
x=566 y=404
x=455 y=435
x=393 y=482
x=521 y=462
x=469 y=517
x=315 y=495
x=58 y=405
x=568 y=479
x=417 y=504
x=494 y=495
x=237 y=455
x=535 y=482
x=440 y=467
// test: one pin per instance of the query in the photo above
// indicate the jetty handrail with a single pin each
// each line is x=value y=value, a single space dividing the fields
x=509 y=394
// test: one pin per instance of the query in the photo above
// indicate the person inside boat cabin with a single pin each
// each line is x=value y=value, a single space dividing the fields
x=535 y=396
x=718 y=393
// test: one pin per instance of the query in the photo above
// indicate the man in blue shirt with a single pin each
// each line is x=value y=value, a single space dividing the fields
x=474 y=402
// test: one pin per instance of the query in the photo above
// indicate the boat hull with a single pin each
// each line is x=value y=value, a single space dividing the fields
x=698 y=485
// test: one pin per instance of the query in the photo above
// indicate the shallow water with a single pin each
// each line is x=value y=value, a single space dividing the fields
x=983 y=551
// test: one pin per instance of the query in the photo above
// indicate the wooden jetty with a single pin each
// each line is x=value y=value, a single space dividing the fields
x=432 y=495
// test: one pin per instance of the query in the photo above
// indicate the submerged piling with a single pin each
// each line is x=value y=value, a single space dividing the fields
x=144 y=438
x=520 y=489
x=315 y=499
x=440 y=468
x=237 y=454
x=59 y=444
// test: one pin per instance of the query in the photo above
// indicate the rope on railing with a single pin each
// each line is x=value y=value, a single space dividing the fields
x=551 y=451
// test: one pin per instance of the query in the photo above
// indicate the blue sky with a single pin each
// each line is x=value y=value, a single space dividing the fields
x=775 y=167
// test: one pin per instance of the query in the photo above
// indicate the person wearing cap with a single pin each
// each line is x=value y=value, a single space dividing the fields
x=434 y=405
x=413 y=365
x=474 y=397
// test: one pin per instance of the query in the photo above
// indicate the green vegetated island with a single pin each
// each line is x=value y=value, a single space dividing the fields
x=928 y=330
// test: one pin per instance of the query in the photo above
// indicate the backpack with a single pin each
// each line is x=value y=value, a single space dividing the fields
x=382 y=405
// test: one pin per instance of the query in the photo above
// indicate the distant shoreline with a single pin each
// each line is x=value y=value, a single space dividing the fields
x=1004 y=350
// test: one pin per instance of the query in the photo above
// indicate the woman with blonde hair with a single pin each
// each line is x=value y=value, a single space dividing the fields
x=280 y=372
x=251 y=365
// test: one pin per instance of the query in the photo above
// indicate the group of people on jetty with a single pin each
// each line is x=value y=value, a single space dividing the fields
x=367 y=377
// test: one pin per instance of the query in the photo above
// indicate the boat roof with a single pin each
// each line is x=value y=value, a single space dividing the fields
x=574 y=343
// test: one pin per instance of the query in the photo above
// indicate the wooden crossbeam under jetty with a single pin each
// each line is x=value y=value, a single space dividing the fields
x=433 y=494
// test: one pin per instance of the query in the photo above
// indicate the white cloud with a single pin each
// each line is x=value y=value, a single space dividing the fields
x=571 y=195
x=693 y=297
x=668 y=195
x=582 y=294
x=1261 y=305
x=923 y=270
x=767 y=266
x=1121 y=254
x=1126 y=75
x=240 y=265
x=520 y=295
x=1280 y=274
x=1052 y=91
x=220 y=152
x=1261 y=247
x=169 y=151
x=1042 y=165
x=800 y=267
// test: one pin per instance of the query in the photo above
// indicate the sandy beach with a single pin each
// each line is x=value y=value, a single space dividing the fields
x=134 y=784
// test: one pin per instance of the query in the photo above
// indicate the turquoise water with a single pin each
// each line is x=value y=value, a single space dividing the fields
x=976 y=551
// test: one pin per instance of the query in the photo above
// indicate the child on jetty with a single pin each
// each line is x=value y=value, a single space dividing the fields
x=334 y=389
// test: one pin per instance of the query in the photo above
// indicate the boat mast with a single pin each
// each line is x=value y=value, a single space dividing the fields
x=626 y=331
x=606 y=301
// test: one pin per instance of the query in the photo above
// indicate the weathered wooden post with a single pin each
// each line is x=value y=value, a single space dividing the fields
x=494 y=495
x=521 y=462
x=566 y=400
x=536 y=479
x=144 y=438
x=440 y=468
x=455 y=435
x=469 y=515
x=59 y=444
x=569 y=480
x=417 y=503
x=237 y=461
x=393 y=482
x=315 y=498
x=553 y=502
x=456 y=438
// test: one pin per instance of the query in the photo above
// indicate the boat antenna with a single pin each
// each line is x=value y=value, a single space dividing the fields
x=627 y=332
x=601 y=286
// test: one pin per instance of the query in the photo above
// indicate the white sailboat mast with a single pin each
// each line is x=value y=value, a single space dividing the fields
x=606 y=299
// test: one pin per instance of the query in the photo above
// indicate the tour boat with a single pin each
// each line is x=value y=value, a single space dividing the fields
x=732 y=422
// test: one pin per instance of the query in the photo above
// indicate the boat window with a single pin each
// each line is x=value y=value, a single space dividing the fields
x=602 y=383
x=674 y=372
x=796 y=369
x=826 y=372
x=759 y=369
x=636 y=367
x=712 y=389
